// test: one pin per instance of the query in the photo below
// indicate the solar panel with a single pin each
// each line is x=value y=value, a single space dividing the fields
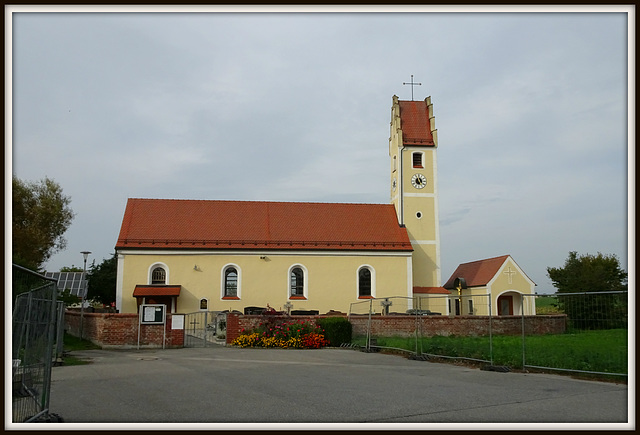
x=75 y=282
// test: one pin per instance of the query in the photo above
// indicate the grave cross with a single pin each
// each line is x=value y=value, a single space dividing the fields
x=412 y=83
x=510 y=274
x=288 y=307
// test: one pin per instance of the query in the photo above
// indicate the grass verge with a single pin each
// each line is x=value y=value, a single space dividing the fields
x=598 y=351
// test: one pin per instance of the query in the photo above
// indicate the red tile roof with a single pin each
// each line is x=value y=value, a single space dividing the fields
x=156 y=290
x=200 y=224
x=431 y=290
x=415 y=124
x=477 y=273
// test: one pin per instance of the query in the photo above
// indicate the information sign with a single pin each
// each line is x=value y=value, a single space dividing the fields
x=152 y=314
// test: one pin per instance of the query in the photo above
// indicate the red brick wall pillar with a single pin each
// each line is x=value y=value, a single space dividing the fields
x=233 y=327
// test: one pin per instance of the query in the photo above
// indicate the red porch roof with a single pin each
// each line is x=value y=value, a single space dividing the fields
x=156 y=290
x=200 y=224
x=431 y=291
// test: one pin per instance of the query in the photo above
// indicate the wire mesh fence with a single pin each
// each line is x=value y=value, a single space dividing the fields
x=34 y=332
x=596 y=337
x=577 y=332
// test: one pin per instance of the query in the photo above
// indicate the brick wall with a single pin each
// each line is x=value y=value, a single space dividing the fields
x=121 y=330
x=458 y=325
x=399 y=325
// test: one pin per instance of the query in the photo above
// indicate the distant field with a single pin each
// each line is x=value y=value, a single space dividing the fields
x=547 y=305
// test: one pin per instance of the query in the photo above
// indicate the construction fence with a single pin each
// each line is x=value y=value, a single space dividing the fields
x=37 y=329
x=573 y=332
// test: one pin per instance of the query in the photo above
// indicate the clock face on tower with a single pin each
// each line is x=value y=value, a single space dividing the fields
x=418 y=181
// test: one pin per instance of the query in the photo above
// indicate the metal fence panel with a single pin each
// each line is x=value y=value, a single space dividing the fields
x=596 y=340
x=587 y=332
x=476 y=345
x=33 y=338
x=205 y=328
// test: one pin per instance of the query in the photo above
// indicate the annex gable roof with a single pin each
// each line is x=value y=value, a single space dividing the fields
x=477 y=273
x=209 y=224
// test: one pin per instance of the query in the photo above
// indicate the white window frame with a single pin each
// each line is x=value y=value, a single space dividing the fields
x=305 y=281
x=150 y=273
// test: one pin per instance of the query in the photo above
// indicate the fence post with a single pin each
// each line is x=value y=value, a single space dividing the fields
x=51 y=334
x=60 y=334
x=416 y=311
x=490 y=332
x=204 y=328
x=523 y=337
x=369 y=326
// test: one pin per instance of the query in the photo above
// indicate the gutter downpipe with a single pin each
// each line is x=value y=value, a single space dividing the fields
x=401 y=184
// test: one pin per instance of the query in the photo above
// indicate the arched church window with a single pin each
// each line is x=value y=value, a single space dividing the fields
x=158 y=276
x=364 y=282
x=296 y=281
x=230 y=282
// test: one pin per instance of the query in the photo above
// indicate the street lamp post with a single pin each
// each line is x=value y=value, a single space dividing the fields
x=85 y=254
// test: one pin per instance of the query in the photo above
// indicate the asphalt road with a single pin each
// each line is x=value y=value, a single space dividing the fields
x=232 y=385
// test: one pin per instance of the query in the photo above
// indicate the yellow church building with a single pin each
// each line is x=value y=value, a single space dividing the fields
x=213 y=255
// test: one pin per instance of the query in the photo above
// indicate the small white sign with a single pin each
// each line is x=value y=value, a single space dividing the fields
x=149 y=314
x=177 y=321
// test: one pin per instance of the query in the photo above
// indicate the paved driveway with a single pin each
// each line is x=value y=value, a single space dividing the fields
x=232 y=385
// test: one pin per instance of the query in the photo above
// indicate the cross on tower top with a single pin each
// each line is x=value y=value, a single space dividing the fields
x=412 y=83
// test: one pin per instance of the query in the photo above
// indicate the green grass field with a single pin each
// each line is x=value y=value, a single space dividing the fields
x=547 y=305
x=599 y=351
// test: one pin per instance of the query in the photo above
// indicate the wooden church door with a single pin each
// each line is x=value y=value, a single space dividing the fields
x=505 y=306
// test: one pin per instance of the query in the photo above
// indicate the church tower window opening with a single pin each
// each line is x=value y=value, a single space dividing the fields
x=418 y=160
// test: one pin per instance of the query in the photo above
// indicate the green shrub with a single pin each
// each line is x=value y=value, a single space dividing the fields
x=336 y=329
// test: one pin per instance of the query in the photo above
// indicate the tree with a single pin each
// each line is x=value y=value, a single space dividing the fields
x=102 y=281
x=591 y=274
x=41 y=216
x=70 y=269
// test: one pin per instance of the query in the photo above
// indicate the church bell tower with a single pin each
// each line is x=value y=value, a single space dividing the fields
x=412 y=149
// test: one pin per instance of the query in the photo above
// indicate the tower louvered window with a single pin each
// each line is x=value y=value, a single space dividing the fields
x=417 y=160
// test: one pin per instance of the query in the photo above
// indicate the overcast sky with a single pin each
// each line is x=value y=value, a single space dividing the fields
x=531 y=111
